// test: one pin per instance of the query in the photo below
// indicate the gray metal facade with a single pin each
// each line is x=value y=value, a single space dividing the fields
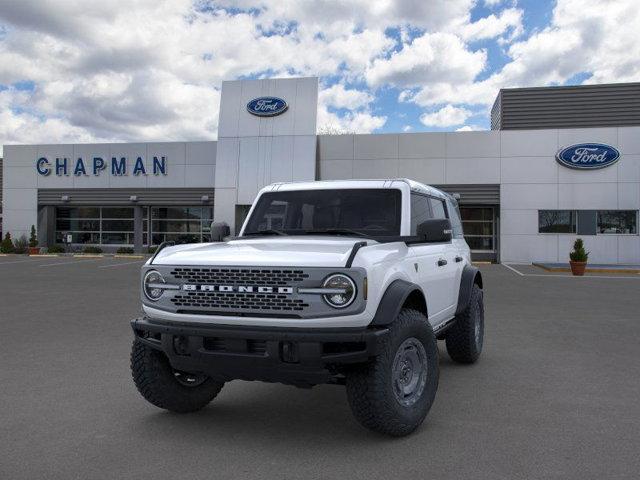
x=122 y=196
x=615 y=105
x=474 y=194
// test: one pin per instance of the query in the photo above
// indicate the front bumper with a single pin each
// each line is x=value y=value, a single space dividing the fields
x=302 y=357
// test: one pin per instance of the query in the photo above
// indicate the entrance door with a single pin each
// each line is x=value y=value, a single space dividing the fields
x=480 y=231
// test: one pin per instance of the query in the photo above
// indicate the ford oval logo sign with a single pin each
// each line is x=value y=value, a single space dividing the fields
x=588 y=156
x=267 y=106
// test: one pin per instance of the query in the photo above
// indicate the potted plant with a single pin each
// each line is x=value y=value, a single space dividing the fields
x=7 y=244
x=578 y=258
x=33 y=242
x=21 y=245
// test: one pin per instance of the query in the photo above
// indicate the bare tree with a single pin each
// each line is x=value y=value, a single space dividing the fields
x=333 y=129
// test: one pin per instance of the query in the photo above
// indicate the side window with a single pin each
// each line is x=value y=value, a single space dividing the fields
x=420 y=211
x=437 y=207
x=454 y=216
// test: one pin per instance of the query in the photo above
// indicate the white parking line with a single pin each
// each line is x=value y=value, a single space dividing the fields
x=70 y=263
x=565 y=276
x=513 y=270
x=121 y=264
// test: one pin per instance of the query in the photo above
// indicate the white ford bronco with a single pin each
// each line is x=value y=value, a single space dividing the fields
x=342 y=282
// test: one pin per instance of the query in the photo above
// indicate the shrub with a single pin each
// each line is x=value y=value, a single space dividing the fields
x=56 y=249
x=21 y=244
x=124 y=250
x=7 y=244
x=153 y=249
x=33 y=238
x=92 y=249
x=579 y=254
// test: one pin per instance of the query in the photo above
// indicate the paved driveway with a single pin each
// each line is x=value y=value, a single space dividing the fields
x=555 y=394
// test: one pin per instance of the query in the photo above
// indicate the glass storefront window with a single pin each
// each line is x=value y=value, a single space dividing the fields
x=181 y=213
x=556 y=221
x=115 y=225
x=479 y=228
x=117 y=238
x=618 y=221
x=79 y=237
x=95 y=225
x=180 y=224
x=78 y=212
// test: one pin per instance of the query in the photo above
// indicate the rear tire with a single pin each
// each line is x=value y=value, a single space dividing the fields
x=394 y=392
x=465 y=338
x=164 y=387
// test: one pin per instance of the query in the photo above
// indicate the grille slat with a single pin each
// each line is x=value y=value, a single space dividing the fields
x=239 y=301
x=217 y=300
x=238 y=276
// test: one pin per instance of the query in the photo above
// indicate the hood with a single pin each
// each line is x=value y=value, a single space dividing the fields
x=307 y=251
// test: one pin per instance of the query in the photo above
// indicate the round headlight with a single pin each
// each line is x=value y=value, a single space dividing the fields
x=344 y=290
x=153 y=285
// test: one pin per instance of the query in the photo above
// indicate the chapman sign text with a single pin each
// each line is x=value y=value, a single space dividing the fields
x=117 y=166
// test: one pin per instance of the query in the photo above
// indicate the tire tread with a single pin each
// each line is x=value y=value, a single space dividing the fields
x=153 y=378
x=460 y=340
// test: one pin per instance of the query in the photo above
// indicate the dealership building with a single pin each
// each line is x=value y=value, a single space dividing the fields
x=559 y=162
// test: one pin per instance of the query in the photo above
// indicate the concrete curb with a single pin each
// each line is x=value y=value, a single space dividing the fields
x=588 y=269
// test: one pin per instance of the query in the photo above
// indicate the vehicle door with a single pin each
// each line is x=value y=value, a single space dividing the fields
x=462 y=256
x=449 y=270
x=424 y=264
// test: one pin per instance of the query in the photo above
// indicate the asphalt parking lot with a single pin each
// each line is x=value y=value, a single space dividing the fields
x=555 y=394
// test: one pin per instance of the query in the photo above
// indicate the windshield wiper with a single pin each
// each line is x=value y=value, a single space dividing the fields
x=337 y=231
x=268 y=231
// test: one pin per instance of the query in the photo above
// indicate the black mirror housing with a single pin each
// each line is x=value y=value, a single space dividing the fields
x=434 y=230
x=219 y=230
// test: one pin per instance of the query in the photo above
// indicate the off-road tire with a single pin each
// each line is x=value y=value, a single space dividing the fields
x=156 y=382
x=463 y=346
x=370 y=388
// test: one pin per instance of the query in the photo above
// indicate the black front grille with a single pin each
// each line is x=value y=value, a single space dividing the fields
x=237 y=276
x=238 y=301
x=218 y=344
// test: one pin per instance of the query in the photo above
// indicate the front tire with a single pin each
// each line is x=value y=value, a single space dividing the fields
x=465 y=338
x=394 y=392
x=164 y=387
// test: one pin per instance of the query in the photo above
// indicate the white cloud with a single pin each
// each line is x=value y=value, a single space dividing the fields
x=338 y=96
x=407 y=128
x=432 y=57
x=469 y=128
x=351 y=122
x=151 y=69
x=509 y=20
x=492 y=3
x=583 y=37
x=358 y=118
x=447 y=116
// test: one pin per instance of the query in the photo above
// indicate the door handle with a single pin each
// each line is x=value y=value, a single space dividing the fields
x=442 y=262
x=459 y=259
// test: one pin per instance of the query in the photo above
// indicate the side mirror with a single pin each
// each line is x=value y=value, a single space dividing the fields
x=435 y=230
x=219 y=230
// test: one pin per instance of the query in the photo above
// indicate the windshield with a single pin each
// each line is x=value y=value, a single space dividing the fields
x=368 y=212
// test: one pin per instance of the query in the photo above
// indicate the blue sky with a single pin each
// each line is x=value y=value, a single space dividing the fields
x=145 y=70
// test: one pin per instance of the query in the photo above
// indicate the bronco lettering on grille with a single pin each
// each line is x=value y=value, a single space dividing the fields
x=237 y=289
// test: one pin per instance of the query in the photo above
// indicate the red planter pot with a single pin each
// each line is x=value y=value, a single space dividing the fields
x=34 y=250
x=578 y=268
